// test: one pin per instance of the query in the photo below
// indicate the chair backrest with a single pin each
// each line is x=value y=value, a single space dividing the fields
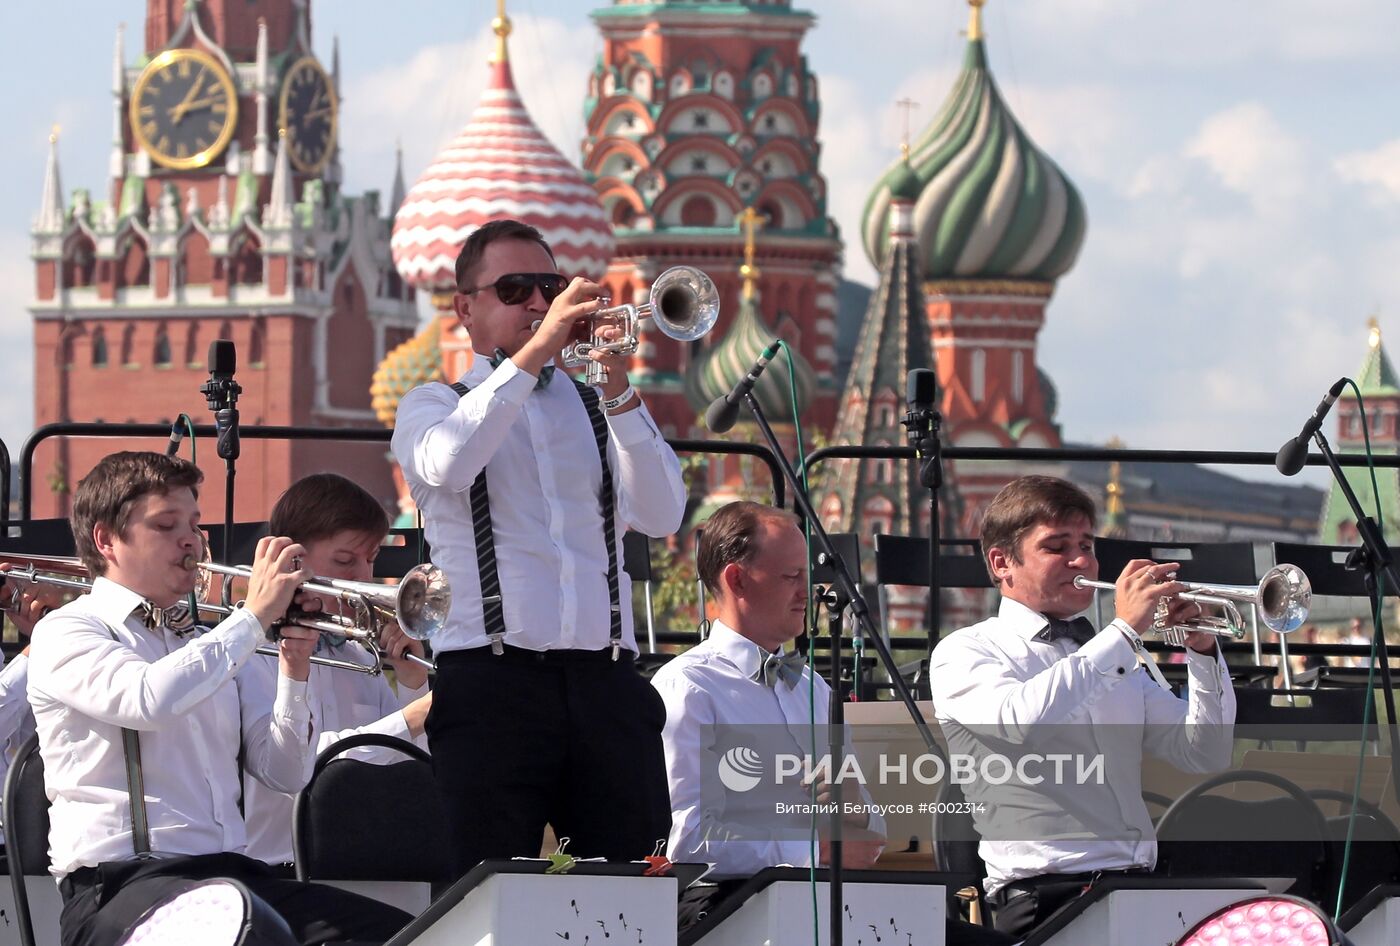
x=955 y=837
x=1211 y=835
x=636 y=556
x=1325 y=566
x=358 y=820
x=1219 y=563
x=904 y=560
x=243 y=544
x=1375 y=851
x=38 y=537
x=26 y=818
x=401 y=551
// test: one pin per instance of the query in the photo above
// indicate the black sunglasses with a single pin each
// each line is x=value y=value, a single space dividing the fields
x=515 y=288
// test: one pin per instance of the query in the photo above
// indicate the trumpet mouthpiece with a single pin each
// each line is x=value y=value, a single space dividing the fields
x=189 y=563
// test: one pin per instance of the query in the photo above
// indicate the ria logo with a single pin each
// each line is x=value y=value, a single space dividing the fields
x=740 y=769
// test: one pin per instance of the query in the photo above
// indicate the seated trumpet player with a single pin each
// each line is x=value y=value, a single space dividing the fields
x=1037 y=679
x=341 y=527
x=140 y=727
x=527 y=482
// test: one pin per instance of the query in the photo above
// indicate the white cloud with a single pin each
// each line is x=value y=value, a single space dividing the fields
x=1378 y=167
x=425 y=101
x=1250 y=153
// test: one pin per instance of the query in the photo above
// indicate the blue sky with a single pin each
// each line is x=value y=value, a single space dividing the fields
x=1241 y=170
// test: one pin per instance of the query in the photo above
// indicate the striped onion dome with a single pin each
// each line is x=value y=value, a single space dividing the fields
x=991 y=205
x=501 y=165
x=416 y=361
x=717 y=370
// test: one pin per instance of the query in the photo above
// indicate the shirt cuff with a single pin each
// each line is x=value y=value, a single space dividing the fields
x=509 y=382
x=632 y=427
x=241 y=633
x=1206 y=672
x=291 y=700
x=1110 y=652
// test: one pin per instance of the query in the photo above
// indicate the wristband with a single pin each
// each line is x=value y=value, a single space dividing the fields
x=622 y=400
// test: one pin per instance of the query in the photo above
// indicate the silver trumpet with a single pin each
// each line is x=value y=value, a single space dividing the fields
x=683 y=303
x=1282 y=598
x=418 y=603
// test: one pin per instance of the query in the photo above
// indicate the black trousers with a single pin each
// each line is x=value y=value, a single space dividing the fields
x=100 y=904
x=1022 y=905
x=570 y=738
x=699 y=900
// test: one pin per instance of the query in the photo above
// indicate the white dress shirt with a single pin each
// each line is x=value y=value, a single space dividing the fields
x=996 y=690
x=185 y=697
x=16 y=720
x=710 y=685
x=544 y=476
x=343 y=703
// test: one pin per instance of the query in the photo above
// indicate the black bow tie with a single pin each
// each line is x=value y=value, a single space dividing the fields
x=1080 y=630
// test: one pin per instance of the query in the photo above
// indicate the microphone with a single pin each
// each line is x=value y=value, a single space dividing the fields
x=723 y=411
x=921 y=394
x=1292 y=455
x=222 y=392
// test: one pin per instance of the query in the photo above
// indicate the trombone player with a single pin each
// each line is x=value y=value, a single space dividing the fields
x=140 y=724
x=1036 y=678
x=527 y=482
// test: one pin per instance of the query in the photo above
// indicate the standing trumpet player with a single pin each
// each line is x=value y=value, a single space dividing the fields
x=1036 y=679
x=527 y=482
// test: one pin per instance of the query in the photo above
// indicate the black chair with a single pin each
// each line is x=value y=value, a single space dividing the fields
x=26 y=830
x=955 y=841
x=37 y=537
x=357 y=820
x=1161 y=802
x=244 y=542
x=903 y=560
x=1219 y=563
x=1375 y=850
x=402 y=550
x=1204 y=835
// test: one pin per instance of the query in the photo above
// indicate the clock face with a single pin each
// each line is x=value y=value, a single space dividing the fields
x=308 y=115
x=184 y=109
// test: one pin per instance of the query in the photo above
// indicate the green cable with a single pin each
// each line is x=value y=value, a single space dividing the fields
x=810 y=623
x=1371 y=666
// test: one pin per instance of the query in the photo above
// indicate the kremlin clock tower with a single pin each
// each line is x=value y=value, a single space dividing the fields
x=222 y=217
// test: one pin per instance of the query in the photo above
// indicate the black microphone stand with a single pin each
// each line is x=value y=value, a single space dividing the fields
x=1376 y=558
x=847 y=586
x=835 y=601
x=222 y=394
x=923 y=426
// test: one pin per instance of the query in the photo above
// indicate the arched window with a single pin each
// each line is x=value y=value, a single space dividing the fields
x=978 y=382
x=192 y=344
x=128 y=344
x=1018 y=377
x=162 y=350
x=256 y=344
x=99 y=348
x=698 y=211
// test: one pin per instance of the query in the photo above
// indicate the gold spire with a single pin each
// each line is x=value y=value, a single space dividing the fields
x=751 y=220
x=974 y=20
x=907 y=106
x=53 y=139
x=501 y=27
x=1374 y=340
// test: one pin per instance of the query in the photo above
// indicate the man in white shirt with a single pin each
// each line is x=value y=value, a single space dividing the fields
x=140 y=725
x=527 y=483
x=341 y=527
x=1031 y=681
x=745 y=680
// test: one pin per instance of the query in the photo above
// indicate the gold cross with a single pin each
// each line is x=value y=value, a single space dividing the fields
x=906 y=105
x=751 y=220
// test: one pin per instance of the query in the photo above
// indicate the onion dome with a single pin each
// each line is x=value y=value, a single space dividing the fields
x=723 y=366
x=501 y=165
x=991 y=205
x=417 y=361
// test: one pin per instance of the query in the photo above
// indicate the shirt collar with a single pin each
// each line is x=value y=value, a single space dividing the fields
x=113 y=601
x=481 y=369
x=736 y=648
x=1021 y=620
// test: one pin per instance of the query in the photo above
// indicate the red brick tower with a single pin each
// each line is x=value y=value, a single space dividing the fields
x=222 y=218
x=695 y=112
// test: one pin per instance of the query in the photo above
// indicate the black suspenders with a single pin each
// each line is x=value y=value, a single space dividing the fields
x=480 y=501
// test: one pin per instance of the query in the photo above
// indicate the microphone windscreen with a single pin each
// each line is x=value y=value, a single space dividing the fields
x=721 y=415
x=922 y=388
x=1291 y=457
x=223 y=357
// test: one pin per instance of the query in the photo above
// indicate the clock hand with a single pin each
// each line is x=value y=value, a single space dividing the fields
x=177 y=114
x=202 y=103
x=318 y=113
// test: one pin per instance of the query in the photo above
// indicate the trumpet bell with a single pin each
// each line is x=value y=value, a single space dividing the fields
x=423 y=600
x=684 y=303
x=1285 y=598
